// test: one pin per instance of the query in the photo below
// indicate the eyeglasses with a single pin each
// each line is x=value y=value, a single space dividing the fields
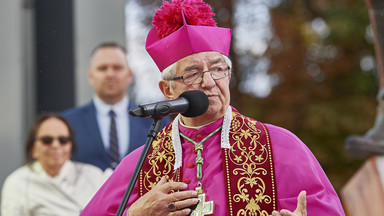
x=48 y=140
x=196 y=76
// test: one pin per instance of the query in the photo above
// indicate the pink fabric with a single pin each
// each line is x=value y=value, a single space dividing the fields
x=296 y=169
x=185 y=41
x=213 y=177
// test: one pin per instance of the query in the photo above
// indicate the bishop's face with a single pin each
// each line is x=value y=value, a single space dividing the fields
x=217 y=90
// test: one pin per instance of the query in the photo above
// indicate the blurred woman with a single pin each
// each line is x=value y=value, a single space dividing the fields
x=50 y=183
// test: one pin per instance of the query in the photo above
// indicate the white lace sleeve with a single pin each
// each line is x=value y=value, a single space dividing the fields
x=225 y=130
x=176 y=142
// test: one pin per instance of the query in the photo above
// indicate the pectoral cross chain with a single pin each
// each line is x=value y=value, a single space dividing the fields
x=202 y=208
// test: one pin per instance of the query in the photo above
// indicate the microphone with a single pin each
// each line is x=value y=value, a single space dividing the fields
x=190 y=104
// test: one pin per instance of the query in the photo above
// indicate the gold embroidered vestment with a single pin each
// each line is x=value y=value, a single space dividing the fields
x=247 y=165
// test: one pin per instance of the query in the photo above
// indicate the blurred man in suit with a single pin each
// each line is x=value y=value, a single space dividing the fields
x=105 y=132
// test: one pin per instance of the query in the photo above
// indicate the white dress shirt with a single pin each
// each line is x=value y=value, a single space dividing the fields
x=122 y=122
x=29 y=190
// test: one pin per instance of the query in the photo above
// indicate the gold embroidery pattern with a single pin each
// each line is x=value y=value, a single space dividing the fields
x=250 y=157
x=161 y=161
x=228 y=182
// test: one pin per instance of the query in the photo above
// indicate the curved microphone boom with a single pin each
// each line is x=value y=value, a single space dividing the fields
x=190 y=104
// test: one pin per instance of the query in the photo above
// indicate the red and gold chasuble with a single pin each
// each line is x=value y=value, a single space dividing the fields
x=248 y=167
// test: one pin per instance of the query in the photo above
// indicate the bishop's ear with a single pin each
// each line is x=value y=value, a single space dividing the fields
x=166 y=89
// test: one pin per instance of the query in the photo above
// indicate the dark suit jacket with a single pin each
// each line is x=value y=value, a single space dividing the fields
x=90 y=147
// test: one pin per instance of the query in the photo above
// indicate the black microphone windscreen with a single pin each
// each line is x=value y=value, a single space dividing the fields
x=198 y=103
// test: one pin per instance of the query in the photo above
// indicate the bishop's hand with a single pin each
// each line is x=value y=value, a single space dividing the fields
x=301 y=209
x=160 y=200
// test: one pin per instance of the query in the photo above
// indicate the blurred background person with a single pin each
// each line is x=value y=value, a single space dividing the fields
x=105 y=131
x=50 y=183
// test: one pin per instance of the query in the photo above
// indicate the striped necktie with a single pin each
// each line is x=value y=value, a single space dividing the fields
x=113 y=141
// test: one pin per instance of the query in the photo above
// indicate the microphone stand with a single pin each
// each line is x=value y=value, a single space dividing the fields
x=152 y=133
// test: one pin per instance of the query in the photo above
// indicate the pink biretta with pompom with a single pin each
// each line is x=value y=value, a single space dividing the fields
x=184 y=27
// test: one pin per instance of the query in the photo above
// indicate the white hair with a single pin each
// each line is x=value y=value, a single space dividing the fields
x=170 y=71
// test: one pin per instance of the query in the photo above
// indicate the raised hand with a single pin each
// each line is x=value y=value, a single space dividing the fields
x=301 y=209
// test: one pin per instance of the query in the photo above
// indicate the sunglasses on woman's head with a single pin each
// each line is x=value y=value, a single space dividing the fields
x=48 y=140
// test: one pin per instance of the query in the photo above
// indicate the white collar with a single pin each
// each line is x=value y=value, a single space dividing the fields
x=176 y=136
x=120 y=108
